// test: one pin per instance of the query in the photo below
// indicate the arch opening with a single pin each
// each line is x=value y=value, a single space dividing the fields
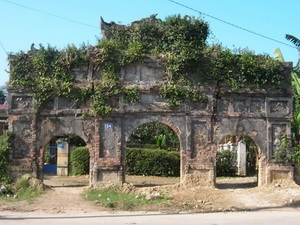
x=152 y=156
x=58 y=152
x=237 y=163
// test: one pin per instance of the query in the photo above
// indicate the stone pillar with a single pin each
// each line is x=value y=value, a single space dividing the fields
x=241 y=158
x=62 y=158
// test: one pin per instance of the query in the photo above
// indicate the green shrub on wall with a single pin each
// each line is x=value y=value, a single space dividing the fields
x=152 y=162
x=179 y=43
x=80 y=161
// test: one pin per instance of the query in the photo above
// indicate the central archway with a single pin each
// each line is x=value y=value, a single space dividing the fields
x=152 y=156
x=176 y=124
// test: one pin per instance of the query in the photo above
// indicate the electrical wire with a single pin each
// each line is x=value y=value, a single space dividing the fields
x=3 y=48
x=231 y=24
x=175 y=2
x=50 y=14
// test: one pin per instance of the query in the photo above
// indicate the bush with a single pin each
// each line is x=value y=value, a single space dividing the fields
x=152 y=162
x=224 y=163
x=294 y=157
x=5 y=146
x=25 y=188
x=80 y=161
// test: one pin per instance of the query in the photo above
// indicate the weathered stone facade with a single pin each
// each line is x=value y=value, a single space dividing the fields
x=260 y=115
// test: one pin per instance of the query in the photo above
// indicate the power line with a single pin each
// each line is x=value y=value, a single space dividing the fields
x=231 y=24
x=3 y=48
x=50 y=14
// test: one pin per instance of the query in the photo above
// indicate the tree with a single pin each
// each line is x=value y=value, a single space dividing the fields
x=294 y=40
x=2 y=97
x=296 y=97
x=155 y=134
x=296 y=86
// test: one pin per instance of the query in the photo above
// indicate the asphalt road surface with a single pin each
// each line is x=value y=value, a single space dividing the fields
x=288 y=216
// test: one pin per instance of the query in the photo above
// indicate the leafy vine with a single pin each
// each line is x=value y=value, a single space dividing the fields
x=182 y=43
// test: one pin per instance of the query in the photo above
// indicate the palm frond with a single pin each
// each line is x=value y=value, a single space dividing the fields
x=293 y=39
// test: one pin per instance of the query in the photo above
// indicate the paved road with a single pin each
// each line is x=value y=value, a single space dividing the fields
x=289 y=216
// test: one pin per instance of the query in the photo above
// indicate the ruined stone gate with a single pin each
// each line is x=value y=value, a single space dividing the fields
x=260 y=115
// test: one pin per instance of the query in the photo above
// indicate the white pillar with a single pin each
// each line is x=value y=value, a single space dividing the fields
x=62 y=158
x=241 y=158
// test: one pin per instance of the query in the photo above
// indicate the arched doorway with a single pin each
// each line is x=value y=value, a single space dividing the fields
x=57 y=154
x=237 y=162
x=152 y=155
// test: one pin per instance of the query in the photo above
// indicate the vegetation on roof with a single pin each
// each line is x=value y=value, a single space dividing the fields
x=179 y=42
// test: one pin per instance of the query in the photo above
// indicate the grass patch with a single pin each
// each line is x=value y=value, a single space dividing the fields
x=22 y=190
x=114 y=198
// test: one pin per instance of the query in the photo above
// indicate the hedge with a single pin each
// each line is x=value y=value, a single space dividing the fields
x=152 y=162
x=80 y=161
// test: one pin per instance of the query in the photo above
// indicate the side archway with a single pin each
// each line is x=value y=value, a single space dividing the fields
x=54 y=129
x=57 y=154
x=238 y=156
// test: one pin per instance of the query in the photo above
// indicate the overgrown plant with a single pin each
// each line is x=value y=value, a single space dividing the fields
x=224 y=161
x=5 y=146
x=131 y=94
x=281 y=153
x=294 y=157
x=180 y=43
x=46 y=72
x=25 y=188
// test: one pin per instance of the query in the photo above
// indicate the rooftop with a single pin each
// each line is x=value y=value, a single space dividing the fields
x=3 y=107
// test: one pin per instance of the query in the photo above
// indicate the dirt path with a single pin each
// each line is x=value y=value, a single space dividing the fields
x=64 y=196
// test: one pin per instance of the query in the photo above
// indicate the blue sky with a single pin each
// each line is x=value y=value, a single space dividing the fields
x=62 y=22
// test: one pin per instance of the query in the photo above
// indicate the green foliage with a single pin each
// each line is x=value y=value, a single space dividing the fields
x=152 y=162
x=134 y=52
x=182 y=42
x=160 y=141
x=296 y=97
x=293 y=39
x=2 y=97
x=296 y=102
x=131 y=95
x=5 y=146
x=114 y=198
x=294 y=157
x=74 y=140
x=241 y=69
x=24 y=190
x=179 y=42
x=47 y=156
x=146 y=133
x=224 y=163
x=80 y=161
x=46 y=71
x=99 y=104
x=280 y=153
x=177 y=94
